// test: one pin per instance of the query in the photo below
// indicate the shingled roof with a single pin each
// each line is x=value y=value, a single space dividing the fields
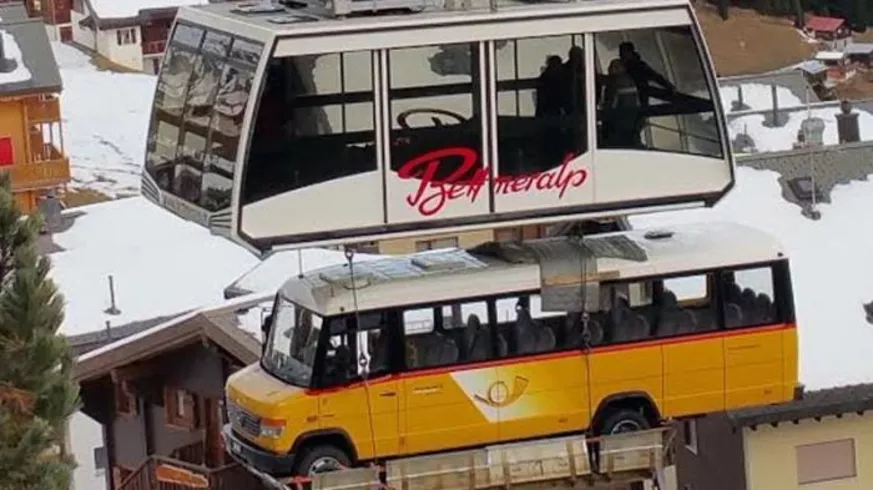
x=814 y=404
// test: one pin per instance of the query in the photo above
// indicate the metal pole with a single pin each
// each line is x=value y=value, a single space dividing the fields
x=112 y=310
x=810 y=156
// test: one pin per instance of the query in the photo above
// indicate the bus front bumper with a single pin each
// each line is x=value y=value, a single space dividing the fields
x=265 y=461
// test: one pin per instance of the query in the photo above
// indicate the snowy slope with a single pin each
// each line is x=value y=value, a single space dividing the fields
x=828 y=260
x=105 y=117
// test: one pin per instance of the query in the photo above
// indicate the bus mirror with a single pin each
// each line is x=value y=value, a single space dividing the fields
x=265 y=330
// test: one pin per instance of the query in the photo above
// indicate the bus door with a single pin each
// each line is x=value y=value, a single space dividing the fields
x=543 y=390
x=366 y=404
x=445 y=348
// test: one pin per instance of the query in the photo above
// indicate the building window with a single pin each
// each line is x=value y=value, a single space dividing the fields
x=366 y=247
x=449 y=242
x=126 y=36
x=689 y=432
x=824 y=461
x=125 y=401
x=179 y=408
x=7 y=152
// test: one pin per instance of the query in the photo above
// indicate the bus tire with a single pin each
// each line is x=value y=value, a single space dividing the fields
x=624 y=420
x=321 y=458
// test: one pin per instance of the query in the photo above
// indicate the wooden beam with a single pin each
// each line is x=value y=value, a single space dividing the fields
x=134 y=371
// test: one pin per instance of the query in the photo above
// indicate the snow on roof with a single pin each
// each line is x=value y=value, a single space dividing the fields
x=243 y=302
x=823 y=24
x=829 y=268
x=757 y=96
x=122 y=9
x=12 y=51
x=812 y=67
x=859 y=48
x=161 y=264
x=782 y=138
x=830 y=55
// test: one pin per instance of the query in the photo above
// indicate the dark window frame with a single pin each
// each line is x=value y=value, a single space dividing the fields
x=251 y=193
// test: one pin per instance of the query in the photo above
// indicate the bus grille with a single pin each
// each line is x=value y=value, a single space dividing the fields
x=242 y=420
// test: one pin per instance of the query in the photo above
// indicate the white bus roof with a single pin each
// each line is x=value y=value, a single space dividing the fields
x=449 y=274
x=311 y=17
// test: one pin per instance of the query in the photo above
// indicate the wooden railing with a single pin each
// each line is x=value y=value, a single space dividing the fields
x=45 y=173
x=154 y=47
x=45 y=110
x=160 y=473
x=192 y=453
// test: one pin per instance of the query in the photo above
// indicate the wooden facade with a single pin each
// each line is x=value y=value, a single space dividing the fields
x=159 y=400
x=31 y=133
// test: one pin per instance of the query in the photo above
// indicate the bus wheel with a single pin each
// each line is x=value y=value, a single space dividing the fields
x=321 y=459
x=624 y=420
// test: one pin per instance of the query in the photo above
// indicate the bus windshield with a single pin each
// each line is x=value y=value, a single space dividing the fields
x=292 y=343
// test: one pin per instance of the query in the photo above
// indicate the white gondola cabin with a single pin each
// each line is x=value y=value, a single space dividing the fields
x=292 y=125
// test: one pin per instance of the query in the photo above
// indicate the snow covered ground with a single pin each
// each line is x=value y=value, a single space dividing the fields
x=759 y=97
x=105 y=117
x=828 y=259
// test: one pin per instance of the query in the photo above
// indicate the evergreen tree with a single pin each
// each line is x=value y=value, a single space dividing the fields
x=37 y=393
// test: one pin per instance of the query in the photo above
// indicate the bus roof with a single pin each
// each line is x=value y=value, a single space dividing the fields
x=493 y=269
x=313 y=17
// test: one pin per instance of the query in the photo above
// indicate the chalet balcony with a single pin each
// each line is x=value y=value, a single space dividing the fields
x=46 y=110
x=40 y=174
x=153 y=47
x=160 y=473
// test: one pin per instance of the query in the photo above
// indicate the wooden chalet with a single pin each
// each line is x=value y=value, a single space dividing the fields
x=158 y=396
x=31 y=139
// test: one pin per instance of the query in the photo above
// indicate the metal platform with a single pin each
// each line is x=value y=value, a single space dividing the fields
x=570 y=462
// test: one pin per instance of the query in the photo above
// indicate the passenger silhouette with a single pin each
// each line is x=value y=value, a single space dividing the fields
x=549 y=100
x=574 y=80
x=622 y=121
x=641 y=72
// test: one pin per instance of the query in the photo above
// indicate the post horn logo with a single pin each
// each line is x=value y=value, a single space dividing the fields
x=499 y=395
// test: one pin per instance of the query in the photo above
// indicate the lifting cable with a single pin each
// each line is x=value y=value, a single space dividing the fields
x=362 y=360
x=594 y=459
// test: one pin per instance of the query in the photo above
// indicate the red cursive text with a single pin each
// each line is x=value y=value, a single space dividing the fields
x=433 y=194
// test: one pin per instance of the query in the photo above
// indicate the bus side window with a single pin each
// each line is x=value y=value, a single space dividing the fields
x=627 y=313
x=460 y=322
x=424 y=345
x=749 y=297
x=374 y=343
x=685 y=306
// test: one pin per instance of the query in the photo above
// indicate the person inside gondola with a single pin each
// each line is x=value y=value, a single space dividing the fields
x=550 y=111
x=627 y=95
x=641 y=73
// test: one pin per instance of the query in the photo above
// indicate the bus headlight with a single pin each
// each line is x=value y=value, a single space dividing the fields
x=272 y=428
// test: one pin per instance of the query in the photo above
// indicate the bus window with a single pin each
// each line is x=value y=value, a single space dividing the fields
x=540 y=103
x=686 y=306
x=655 y=92
x=373 y=343
x=457 y=315
x=749 y=297
x=433 y=108
x=291 y=347
x=314 y=109
x=425 y=345
x=200 y=100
